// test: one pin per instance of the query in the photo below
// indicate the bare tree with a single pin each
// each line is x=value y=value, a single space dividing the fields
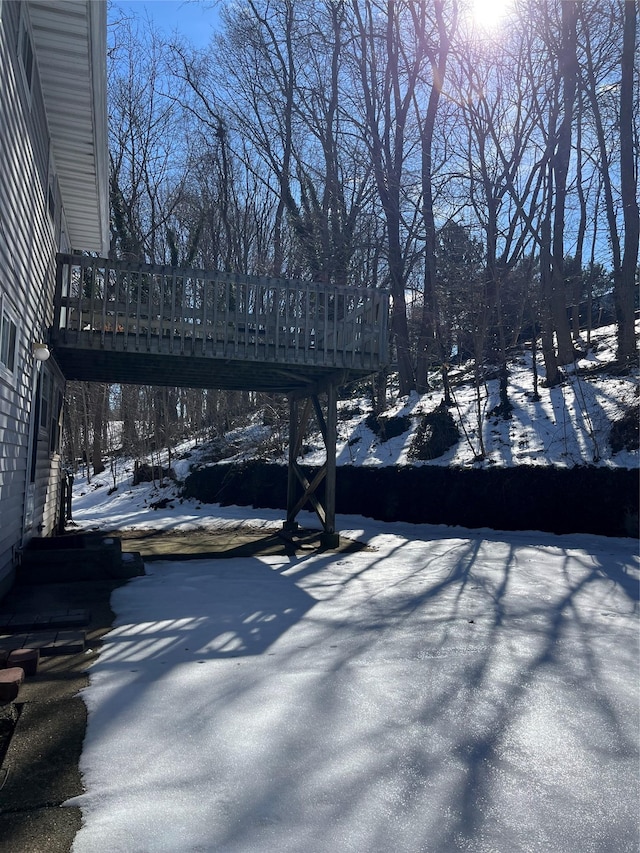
x=568 y=69
x=437 y=47
x=611 y=30
x=146 y=171
x=390 y=61
x=625 y=275
x=501 y=169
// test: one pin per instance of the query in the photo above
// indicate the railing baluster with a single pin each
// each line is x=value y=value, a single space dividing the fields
x=138 y=280
x=256 y=287
x=173 y=328
x=126 y=281
x=214 y=287
x=305 y=323
x=92 y=321
x=103 y=322
x=204 y=314
x=74 y=276
x=244 y=286
x=353 y=323
x=182 y=290
x=70 y=306
x=149 y=282
x=229 y=338
x=162 y=301
x=277 y=302
x=183 y=308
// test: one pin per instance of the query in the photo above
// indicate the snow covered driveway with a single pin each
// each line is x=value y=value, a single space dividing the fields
x=447 y=690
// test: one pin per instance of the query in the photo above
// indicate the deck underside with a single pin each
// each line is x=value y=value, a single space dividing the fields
x=191 y=371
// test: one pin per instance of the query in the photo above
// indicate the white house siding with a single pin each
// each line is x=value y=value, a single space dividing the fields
x=27 y=254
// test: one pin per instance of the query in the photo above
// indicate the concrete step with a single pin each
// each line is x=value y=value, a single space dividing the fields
x=82 y=557
x=48 y=643
x=26 y=659
x=15 y=623
x=10 y=681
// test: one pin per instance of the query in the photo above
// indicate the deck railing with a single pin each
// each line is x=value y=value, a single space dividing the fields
x=162 y=309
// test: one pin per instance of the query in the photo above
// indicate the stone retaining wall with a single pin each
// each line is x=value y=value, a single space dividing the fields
x=571 y=500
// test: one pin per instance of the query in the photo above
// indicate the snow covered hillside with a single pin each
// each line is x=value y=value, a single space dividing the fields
x=570 y=425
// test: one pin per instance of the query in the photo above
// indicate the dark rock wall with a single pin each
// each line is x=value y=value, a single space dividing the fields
x=558 y=500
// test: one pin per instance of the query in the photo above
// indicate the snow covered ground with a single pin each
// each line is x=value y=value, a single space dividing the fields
x=444 y=690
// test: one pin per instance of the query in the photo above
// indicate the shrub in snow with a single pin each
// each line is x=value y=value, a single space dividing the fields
x=625 y=434
x=436 y=433
x=145 y=473
x=386 y=428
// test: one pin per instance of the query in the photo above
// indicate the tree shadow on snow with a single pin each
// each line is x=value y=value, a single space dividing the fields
x=480 y=669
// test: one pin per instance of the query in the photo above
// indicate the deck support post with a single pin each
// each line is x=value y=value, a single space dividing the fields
x=330 y=538
x=298 y=421
x=291 y=525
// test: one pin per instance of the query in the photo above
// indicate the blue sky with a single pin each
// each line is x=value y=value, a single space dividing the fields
x=194 y=19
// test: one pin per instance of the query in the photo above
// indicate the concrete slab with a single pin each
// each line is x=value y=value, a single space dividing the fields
x=33 y=831
x=224 y=544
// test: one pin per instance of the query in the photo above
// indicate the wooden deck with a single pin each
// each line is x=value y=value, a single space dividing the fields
x=140 y=323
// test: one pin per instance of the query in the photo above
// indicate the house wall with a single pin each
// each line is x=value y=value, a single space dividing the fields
x=31 y=229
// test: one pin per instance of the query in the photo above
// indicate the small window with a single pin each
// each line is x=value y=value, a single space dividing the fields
x=56 y=423
x=8 y=338
x=45 y=399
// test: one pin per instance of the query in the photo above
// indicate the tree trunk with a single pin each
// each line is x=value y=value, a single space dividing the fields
x=546 y=312
x=99 y=399
x=429 y=325
x=130 y=415
x=624 y=281
x=569 y=70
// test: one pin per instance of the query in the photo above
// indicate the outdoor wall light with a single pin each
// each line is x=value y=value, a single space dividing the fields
x=40 y=351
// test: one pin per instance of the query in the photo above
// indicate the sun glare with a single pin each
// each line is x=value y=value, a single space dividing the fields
x=488 y=14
